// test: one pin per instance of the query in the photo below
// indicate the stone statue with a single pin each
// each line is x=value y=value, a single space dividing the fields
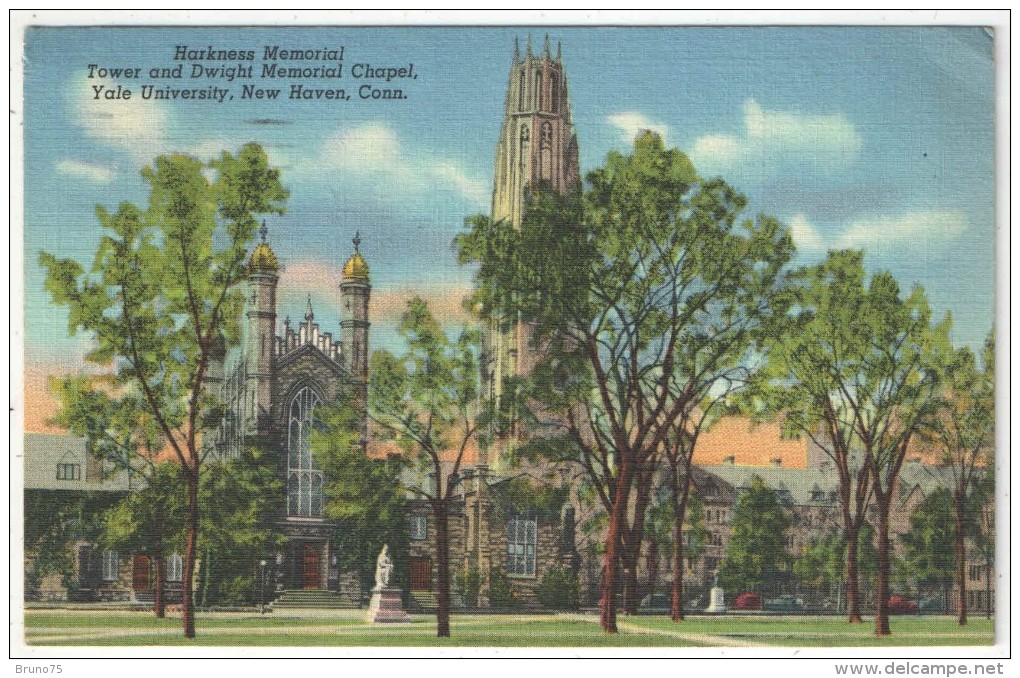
x=715 y=580
x=383 y=568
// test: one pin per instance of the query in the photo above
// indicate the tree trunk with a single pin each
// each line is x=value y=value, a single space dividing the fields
x=853 y=591
x=961 y=557
x=988 y=588
x=652 y=564
x=607 y=614
x=187 y=598
x=442 y=569
x=629 y=557
x=158 y=602
x=159 y=597
x=676 y=612
x=882 y=604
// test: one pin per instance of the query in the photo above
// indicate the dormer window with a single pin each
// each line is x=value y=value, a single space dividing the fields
x=68 y=471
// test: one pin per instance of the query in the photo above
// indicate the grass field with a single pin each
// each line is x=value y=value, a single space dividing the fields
x=348 y=629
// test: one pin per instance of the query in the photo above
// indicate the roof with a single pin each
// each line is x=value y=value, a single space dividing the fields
x=43 y=453
x=749 y=443
x=356 y=268
x=263 y=259
x=798 y=486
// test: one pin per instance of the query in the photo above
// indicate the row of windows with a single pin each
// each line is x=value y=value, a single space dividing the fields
x=110 y=569
x=68 y=471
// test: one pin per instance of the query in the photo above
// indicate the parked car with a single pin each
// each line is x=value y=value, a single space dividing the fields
x=784 y=603
x=933 y=605
x=902 y=605
x=747 y=601
x=662 y=603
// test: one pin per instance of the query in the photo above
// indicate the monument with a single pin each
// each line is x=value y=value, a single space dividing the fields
x=717 y=598
x=386 y=605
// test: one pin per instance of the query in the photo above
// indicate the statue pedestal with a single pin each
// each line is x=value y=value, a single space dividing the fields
x=386 y=606
x=717 y=601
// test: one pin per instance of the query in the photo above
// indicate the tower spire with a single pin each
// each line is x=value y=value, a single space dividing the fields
x=528 y=52
x=309 y=315
x=517 y=50
x=559 y=51
x=263 y=231
x=357 y=241
x=547 y=49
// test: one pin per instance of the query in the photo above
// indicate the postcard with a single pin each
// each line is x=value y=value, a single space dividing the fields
x=508 y=340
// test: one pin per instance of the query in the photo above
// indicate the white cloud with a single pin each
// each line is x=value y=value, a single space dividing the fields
x=769 y=138
x=631 y=123
x=805 y=236
x=924 y=228
x=94 y=173
x=374 y=151
x=135 y=125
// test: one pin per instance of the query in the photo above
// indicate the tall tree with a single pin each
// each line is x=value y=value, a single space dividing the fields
x=162 y=291
x=929 y=551
x=642 y=291
x=150 y=520
x=242 y=498
x=364 y=495
x=862 y=372
x=815 y=363
x=426 y=402
x=757 y=548
x=964 y=431
x=120 y=435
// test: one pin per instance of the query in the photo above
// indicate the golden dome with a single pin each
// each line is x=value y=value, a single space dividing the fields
x=356 y=268
x=263 y=259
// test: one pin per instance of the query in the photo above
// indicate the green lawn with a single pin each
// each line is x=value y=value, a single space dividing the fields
x=348 y=629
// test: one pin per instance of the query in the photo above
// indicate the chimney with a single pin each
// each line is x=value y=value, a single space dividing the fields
x=776 y=461
x=730 y=460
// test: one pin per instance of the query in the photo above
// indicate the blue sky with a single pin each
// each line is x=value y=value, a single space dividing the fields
x=881 y=138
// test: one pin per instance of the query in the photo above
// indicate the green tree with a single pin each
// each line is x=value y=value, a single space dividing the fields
x=426 y=402
x=119 y=433
x=150 y=520
x=929 y=550
x=823 y=563
x=241 y=498
x=813 y=364
x=859 y=371
x=645 y=292
x=964 y=431
x=162 y=294
x=363 y=495
x=54 y=523
x=757 y=550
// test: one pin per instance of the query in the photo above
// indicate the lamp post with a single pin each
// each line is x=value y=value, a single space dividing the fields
x=262 y=587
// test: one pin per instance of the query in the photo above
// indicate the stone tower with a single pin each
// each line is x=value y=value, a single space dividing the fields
x=355 y=291
x=537 y=147
x=260 y=333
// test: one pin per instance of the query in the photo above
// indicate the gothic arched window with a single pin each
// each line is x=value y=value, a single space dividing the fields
x=554 y=83
x=304 y=479
x=538 y=91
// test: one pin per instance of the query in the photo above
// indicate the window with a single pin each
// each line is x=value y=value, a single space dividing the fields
x=418 y=527
x=68 y=471
x=974 y=572
x=174 y=568
x=304 y=479
x=521 y=537
x=111 y=566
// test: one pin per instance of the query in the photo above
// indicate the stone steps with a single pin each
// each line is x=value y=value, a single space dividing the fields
x=424 y=601
x=313 y=598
